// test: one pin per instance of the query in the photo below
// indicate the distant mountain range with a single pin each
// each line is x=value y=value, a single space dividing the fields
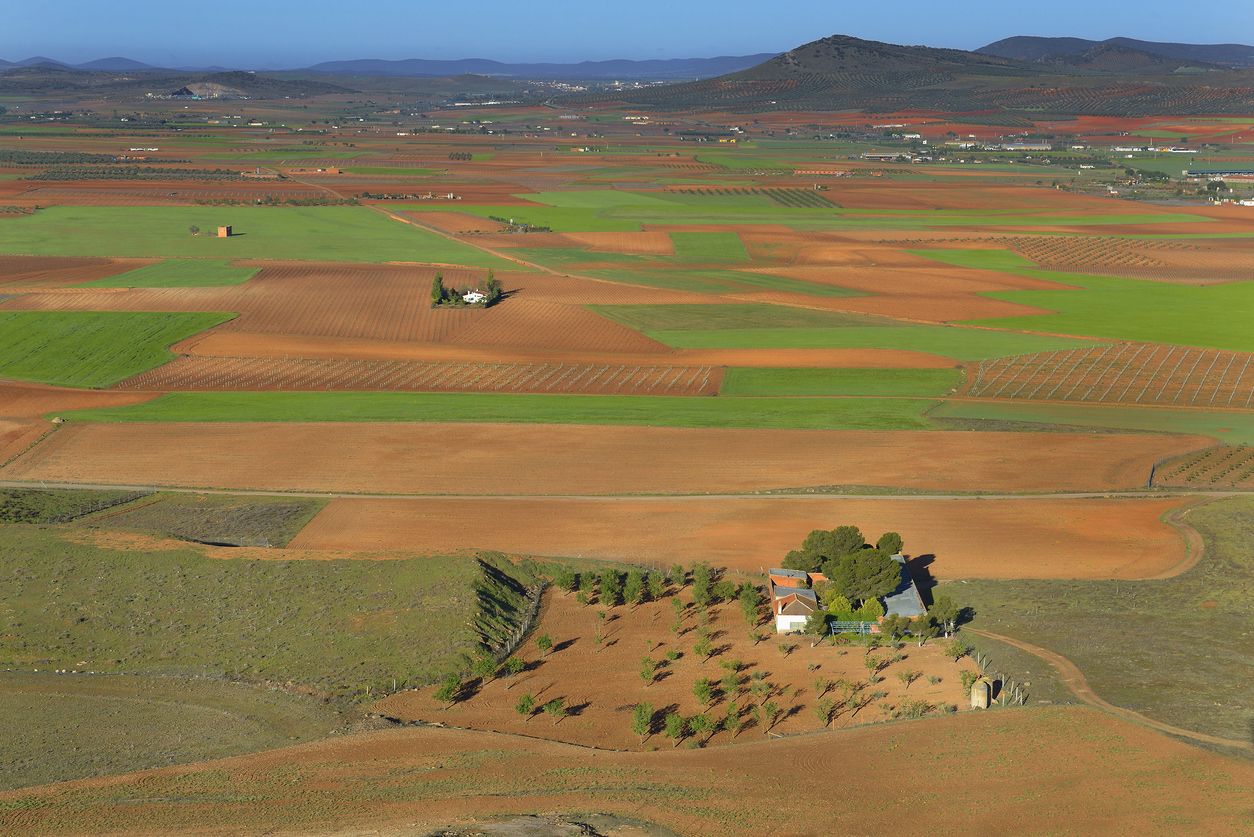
x=1053 y=50
x=651 y=70
x=659 y=70
x=845 y=73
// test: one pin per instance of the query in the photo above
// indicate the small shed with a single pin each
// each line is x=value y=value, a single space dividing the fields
x=981 y=693
x=224 y=232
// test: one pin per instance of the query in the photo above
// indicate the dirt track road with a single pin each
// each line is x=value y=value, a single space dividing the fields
x=1076 y=682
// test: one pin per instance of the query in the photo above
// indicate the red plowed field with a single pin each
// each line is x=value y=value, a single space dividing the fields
x=572 y=459
x=543 y=325
x=203 y=372
x=21 y=272
x=1030 y=538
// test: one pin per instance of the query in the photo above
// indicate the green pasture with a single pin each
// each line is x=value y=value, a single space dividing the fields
x=1216 y=316
x=77 y=726
x=699 y=247
x=1226 y=426
x=181 y=273
x=597 y=214
x=391 y=171
x=753 y=381
x=310 y=233
x=636 y=410
x=92 y=348
x=347 y=628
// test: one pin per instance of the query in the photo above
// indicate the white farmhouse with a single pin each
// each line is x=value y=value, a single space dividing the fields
x=474 y=297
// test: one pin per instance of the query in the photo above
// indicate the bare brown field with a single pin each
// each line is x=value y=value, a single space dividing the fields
x=205 y=372
x=26 y=400
x=1121 y=373
x=233 y=343
x=576 y=460
x=1076 y=769
x=602 y=703
x=19 y=273
x=1041 y=538
x=1221 y=466
x=545 y=325
x=16 y=435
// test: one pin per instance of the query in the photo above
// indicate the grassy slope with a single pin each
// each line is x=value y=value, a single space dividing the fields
x=1179 y=650
x=56 y=505
x=313 y=233
x=71 y=725
x=1231 y=426
x=658 y=411
x=218 y=518
x=340 y=626
x=895 y=382
x=1105 y=306
x=203 y=273
x=91 y=348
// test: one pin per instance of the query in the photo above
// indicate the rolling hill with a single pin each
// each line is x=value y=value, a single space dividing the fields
x=1031 y=48
x=845 y=73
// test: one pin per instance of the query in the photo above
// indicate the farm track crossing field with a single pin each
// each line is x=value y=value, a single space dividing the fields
x=1223 y=466
x=1121 y=373
x=203 y=372
x=1028 y=538
x=519 y=459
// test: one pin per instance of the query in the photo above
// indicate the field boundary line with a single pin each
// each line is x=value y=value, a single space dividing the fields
x=1078 y=685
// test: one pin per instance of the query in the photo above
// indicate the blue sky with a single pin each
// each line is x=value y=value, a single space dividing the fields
x=287 y=33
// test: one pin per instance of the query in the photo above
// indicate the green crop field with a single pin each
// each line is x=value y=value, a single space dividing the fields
x=1130 y=309
x=657 y=411
x=76 y=726
x=198 y=273
x=91 y=348
x=390 y=171
x=1146 y=645
x=776 y=327
x=344 y=627
x=1228 y=426
x=739 y=381
x=701 y=247
x=594 y=198
x=651 y=318
x=310 y=233
x=707 y=281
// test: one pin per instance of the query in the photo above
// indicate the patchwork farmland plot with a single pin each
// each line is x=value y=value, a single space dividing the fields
x=261 y=373
x=1123 y=373
x=1223 y=466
